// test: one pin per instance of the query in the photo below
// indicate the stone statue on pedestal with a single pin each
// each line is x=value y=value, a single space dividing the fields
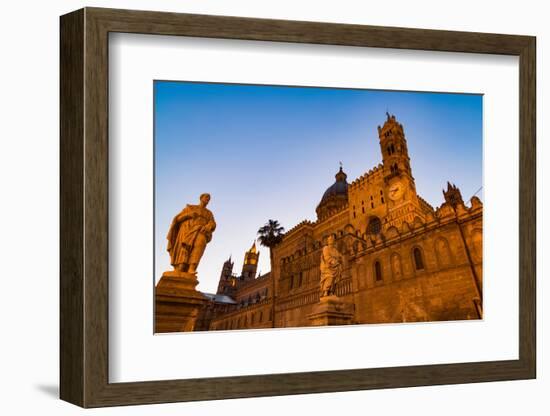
x=331 y=309
x=188 y=235
x=177 y=302
x=331 y=268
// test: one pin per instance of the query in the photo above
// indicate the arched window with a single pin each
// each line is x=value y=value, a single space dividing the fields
x=392 y=149
x=374 y=226
x=377 y=271
x=261 y=317
x=418 y=261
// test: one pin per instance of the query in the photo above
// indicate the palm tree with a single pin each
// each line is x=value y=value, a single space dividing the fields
x=269 y=236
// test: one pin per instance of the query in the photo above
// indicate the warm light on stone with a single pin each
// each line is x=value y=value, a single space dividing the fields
x=377 y=253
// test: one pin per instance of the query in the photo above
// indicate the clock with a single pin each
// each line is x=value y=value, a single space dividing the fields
x=396 y=191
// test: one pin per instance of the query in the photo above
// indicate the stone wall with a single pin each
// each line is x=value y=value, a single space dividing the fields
x=445 y=286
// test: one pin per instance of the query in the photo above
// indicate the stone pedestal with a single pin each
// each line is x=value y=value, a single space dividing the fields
x=331 y=310
x=177 y=302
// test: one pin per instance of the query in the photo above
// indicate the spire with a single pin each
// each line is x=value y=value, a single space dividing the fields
x=253 y=248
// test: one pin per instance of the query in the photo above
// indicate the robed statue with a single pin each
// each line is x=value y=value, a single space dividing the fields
x=331 y=267
x=188 y=235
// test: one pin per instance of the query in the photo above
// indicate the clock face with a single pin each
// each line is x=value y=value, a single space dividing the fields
x=396 y=191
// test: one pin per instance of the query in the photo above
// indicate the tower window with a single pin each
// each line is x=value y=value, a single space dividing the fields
x=392 y=149
x=377 y=271
x=418 y=261
x=372 y=204
x=382 y=199
x=375 y=226
x=394 y=168
x=363 y=209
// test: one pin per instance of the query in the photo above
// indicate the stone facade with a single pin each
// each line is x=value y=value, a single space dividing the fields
x=403 y=260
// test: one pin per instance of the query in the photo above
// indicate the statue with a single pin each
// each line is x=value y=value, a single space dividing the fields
x=188 y=235
x=331 y=267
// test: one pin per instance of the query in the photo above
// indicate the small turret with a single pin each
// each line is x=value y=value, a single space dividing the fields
x=452 y=195
x=250 y=263
x=226 y=277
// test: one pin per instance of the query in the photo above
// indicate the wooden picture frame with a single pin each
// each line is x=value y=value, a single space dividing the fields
x=84 y=207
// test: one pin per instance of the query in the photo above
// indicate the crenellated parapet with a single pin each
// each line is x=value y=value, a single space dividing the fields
x=298 y=227
x=425 y=205
x=367 y=178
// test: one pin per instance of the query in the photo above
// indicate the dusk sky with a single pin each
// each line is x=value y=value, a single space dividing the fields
x=269 y=152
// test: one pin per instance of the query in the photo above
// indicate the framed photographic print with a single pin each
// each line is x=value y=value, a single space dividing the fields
x=356 y=203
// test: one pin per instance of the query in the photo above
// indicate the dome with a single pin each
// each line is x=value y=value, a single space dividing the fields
x=335 y=196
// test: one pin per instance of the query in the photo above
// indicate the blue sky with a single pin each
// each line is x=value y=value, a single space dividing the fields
x=269 y=152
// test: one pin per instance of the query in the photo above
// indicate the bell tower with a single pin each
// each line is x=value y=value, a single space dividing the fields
x=393 y=145
x=227 y=280
x=399 y=187
x=250 y=263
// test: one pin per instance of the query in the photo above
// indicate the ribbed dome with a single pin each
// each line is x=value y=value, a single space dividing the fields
x=335 y=196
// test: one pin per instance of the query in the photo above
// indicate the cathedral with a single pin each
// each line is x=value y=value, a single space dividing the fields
x=403 y=260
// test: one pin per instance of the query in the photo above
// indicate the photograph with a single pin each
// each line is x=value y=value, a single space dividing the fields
x=344 y=198
x=298 y=206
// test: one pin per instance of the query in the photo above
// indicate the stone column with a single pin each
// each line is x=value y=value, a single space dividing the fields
x=177 y=302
